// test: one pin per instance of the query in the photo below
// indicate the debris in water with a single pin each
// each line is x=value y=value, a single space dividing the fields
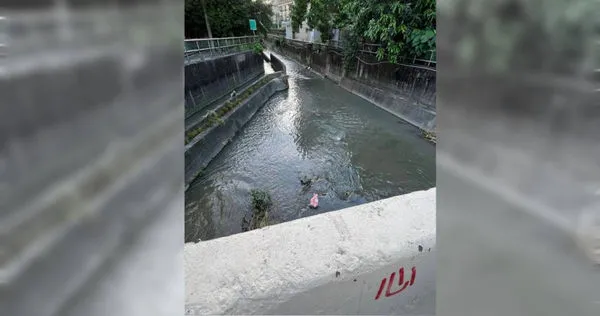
x=430 y=136
x=306 y=180
x=314 y=201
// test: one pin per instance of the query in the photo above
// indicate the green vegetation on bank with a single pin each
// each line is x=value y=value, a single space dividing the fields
x=402 y=28
x=255 y=47
x=216 y=117
x=258 y=48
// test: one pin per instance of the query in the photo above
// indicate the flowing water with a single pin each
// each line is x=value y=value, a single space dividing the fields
x=343 y=148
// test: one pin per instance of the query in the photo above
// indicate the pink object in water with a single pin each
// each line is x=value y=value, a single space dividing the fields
x=314 y=201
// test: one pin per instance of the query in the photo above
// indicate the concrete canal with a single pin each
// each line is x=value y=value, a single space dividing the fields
x=313 y=138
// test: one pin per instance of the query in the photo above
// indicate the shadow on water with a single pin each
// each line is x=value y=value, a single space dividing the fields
x=313 y=138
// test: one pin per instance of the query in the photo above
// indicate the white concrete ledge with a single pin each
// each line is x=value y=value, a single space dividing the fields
x=343 y=262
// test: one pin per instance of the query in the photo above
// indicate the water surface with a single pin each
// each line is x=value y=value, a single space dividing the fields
x=352 y=151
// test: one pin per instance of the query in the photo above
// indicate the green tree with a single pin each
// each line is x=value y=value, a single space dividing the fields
x=403 y=28
x=227 y=17
x=263 y=13
x=324 y=17
x=298 y=14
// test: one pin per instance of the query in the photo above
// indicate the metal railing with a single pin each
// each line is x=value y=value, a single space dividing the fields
x=372 y=49
x=210 y=47
x=366 y=48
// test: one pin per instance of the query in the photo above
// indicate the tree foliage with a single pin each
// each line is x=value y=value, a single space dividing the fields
x=298 y=13
x=403 y=28
x=324 y=16
x=226 y=17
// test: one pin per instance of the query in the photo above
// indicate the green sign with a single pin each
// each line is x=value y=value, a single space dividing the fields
x=253 y=25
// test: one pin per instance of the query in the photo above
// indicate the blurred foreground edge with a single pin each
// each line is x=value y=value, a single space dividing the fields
x=518 y=157
x=91 y=166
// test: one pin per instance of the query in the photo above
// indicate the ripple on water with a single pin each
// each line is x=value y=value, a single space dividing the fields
x=352 y=152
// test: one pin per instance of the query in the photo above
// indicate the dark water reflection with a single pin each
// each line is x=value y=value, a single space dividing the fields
x=354 y=152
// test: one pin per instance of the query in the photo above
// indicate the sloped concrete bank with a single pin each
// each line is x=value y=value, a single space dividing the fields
x=405 y=91
x=394 y=103
x=203 y=148
x=376 y=258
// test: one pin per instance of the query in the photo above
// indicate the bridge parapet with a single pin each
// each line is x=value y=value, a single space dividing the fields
x=375 y=258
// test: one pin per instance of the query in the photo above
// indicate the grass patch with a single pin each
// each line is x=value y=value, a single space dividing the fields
x=193 y=133
x=261 y=206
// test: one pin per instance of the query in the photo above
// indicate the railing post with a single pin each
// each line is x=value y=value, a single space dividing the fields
x=430 y=58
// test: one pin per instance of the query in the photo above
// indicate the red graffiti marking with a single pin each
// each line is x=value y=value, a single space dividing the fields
x=403 y=285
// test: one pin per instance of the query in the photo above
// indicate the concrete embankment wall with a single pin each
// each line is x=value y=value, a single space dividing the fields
x=407 y=91
x=277 y=64
x=200 y=151
x=376 y=259
x=210 y=79
x=392 y=102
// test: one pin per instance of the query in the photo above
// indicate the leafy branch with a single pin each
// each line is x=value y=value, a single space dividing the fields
x=298 y=14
